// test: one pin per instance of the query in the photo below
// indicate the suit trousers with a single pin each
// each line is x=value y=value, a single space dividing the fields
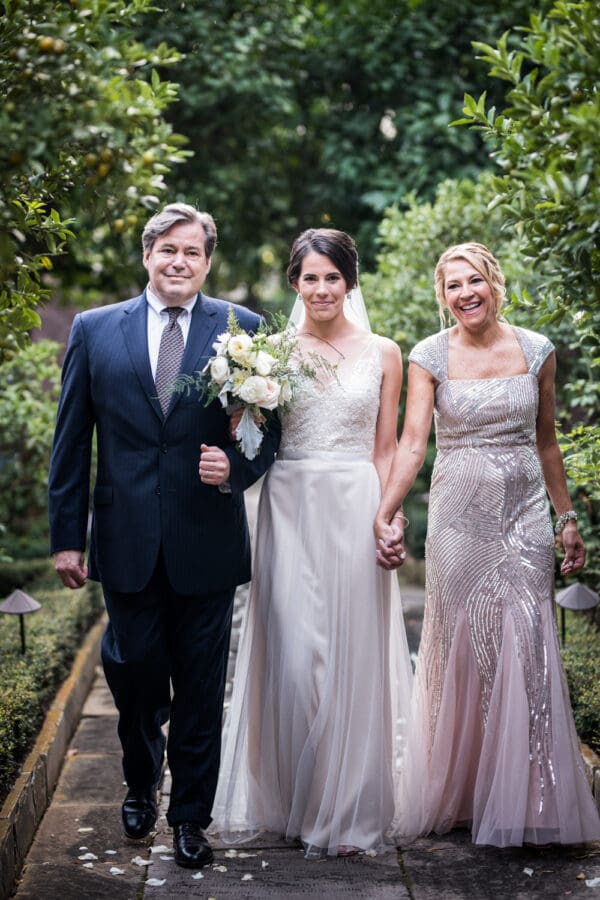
x=165 y=658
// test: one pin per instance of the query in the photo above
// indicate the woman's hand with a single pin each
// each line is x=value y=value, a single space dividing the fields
x=389 y=539
x=574 y=549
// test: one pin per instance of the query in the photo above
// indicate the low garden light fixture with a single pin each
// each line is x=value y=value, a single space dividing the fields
x=576 y=596
x=19 y=603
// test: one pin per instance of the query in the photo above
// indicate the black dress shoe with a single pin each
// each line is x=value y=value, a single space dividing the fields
x=192 y=850
x=139 y=812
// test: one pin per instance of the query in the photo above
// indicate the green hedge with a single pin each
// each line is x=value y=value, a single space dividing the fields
x=581 y=656
x=28 y=683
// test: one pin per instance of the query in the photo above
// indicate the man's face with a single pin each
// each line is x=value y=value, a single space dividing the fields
x=177 y=265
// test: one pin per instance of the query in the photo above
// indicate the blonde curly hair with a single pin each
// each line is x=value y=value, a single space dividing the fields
x=483 y=261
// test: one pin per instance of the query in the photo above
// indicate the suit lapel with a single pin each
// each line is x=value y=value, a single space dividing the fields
x=203 y=330
x=135 y=332
x=204 y=327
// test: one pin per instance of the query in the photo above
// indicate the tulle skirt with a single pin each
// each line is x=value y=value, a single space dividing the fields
x=487 y=772
x=322 y=686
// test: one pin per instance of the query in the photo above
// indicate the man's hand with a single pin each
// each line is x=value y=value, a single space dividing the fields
x=214 y=465
x=71 y=568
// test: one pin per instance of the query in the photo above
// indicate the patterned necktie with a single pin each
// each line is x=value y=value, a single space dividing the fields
x=170 y=354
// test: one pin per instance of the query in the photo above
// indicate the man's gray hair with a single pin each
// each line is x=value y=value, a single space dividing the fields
x=174 y=214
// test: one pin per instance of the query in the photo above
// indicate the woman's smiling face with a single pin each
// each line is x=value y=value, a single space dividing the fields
x=468 y=295
x=322 y=288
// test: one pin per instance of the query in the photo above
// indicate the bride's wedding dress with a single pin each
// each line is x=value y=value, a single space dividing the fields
x=323 y=677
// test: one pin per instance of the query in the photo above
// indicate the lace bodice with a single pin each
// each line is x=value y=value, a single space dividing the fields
x=337 y=413
x=484 y=411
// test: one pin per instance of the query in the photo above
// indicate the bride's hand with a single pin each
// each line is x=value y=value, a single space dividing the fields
x=389 y=539
x=234 y=421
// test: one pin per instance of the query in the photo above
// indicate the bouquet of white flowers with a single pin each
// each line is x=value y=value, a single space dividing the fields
x=251 y=372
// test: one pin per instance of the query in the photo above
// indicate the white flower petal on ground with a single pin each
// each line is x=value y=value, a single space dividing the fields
x=167 y=858
x=528 y=871
x=114 y=871
x=87 y=856
x=592 y=882
x=247 y=855
x=162 y=848
x=230 y=854
x=247 y=877
x=197 y=876
x=111 y=852
x=219 y=868
x=156 y=882
x=264 y=864
x=85 y=830
x=140 y=861
x=88 y=865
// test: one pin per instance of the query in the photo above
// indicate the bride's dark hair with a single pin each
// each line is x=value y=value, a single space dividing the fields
x=336 y=245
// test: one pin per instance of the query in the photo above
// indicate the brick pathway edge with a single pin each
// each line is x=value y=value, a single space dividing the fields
x=32 y=792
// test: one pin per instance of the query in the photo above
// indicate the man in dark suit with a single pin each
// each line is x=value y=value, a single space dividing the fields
x=169 y=538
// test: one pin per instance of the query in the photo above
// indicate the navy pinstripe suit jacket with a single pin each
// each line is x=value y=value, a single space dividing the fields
x=147 y=491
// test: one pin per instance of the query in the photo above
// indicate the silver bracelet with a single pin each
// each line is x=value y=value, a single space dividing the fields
x=563 y=519
x=406 y=521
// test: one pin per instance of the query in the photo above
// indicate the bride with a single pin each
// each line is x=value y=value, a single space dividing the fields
x=323 y=677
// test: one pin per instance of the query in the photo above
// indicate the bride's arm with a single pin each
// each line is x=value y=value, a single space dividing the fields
x=387 y=418
x=408 y=459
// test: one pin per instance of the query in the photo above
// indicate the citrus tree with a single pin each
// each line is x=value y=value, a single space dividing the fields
x=84 y=146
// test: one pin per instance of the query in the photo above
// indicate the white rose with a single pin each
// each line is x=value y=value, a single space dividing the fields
x=239 y=347
x=219 y=370
x=220 y=345
x=264 y=363
x=253 y=390
x=272 y=398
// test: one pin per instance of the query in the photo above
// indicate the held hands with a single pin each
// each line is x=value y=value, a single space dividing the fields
x=214 y=465
x=389 y=539
x=574 y=549
x=69 y=564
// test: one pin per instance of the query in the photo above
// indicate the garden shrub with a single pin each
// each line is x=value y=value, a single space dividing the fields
x=29 y=682
x=581 y=657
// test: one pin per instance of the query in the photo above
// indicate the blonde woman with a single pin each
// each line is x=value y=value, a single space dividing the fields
x=493 y=743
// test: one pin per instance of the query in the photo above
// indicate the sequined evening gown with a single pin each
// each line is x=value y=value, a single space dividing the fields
x=323 y=677
x=493 y=743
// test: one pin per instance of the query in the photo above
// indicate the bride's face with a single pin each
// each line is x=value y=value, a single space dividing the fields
x=322 y=288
